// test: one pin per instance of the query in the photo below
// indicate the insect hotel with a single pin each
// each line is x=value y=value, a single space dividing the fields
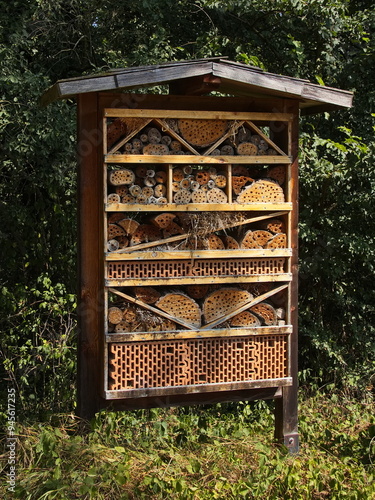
x=188 y=208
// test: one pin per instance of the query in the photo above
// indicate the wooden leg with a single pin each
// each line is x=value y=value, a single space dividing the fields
x=286 y=419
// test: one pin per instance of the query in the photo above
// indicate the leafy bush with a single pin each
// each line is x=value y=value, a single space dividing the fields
x=337 y=258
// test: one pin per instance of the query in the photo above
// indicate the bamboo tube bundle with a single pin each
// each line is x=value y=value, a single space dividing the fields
x=220 y=302
x=265 y=312
x=182 y=307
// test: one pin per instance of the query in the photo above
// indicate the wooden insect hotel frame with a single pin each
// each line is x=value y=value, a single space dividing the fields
x=188 y=210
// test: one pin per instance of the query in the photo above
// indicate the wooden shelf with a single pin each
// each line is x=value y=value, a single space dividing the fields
x=194 y=280
x=199 y=207
x=195 y=159
x=199 y=254
x=198 y=334
x=191 y=389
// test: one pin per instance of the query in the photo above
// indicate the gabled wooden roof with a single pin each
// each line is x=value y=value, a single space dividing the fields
x=201 y=76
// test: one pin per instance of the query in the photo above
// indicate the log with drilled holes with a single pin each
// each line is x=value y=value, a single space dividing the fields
x=163 y=220
x=182 y=307
x=202 y=133
x=245 y=318
x=122 y=176
x=262 y=191
x=115 y=315
x=147 y=294
x=266 y=313
x=197 y=291
x=145 y=233
x=275 y=226
x=223 y=300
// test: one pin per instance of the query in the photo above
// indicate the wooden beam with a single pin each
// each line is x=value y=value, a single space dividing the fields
x=202 y=388
x=90 y=259
x=199 y=85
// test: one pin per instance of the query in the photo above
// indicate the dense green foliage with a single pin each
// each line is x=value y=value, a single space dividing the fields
x=201 y=454
x=330 y=42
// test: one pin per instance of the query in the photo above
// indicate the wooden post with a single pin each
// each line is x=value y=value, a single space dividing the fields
x=90 y=257
x=286 y=410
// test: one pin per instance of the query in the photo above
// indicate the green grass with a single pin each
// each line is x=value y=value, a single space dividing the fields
x=218 y=452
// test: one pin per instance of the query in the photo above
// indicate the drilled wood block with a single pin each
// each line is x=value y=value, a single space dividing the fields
x=182 y=307
x=221 y=301
x=202 y=133
x=264 y=190
x=266 y=312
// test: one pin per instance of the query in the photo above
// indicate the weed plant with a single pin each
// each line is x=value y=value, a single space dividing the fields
x=225 y=451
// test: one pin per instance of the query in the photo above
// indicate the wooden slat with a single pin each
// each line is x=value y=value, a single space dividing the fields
x=193 y=280
x=254 y=160
x=263 y=136
x=199 y=207
x=249 y=304
x=176 y=136
x=232 y=130
x=159 y=312
x=190 y=389
x=181 y=237
x=198 y=334
x=118 y=145
x=196 y=114
x=201 y=254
